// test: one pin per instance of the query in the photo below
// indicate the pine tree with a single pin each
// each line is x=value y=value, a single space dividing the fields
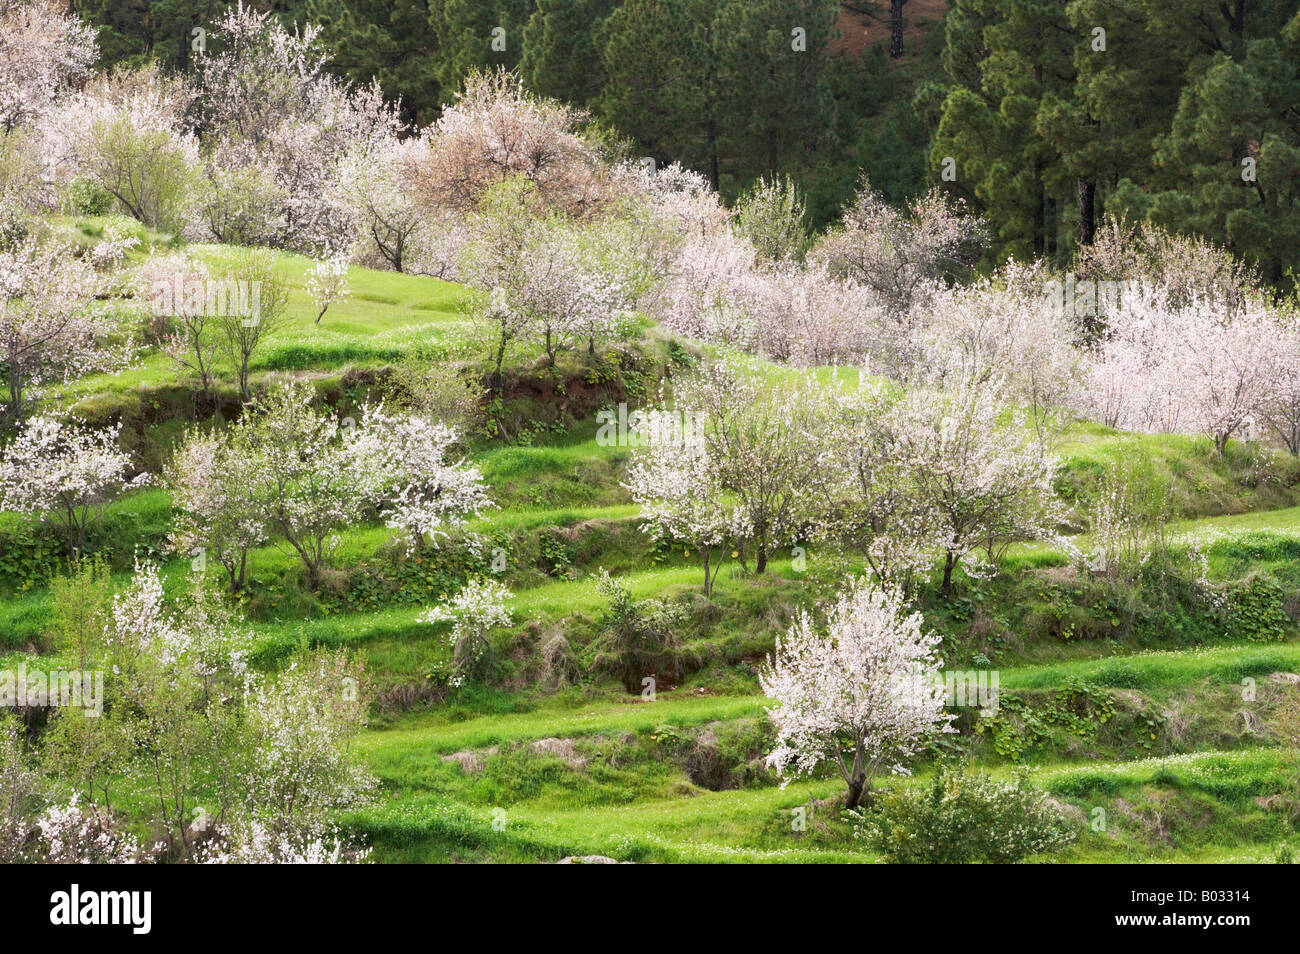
x=658 y=64
x=388 y=40
x=1227 y=165
x=561 y=52
x=476 y=34
x=772 y=58
x=1006 y=61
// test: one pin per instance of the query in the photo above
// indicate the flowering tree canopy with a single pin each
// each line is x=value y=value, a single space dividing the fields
x=862 y=695
x=64 y=471
x=51 y=326
x=679 y=488
x=44 y=51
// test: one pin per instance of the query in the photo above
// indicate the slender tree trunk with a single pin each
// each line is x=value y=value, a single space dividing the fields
x=949 y=562
x=857 y=778
x=15 y=410
x=1053 y=226
x=712 y=136
x=1087 y=211
x=501 y=357
x=896 y=28
x=1040 y=215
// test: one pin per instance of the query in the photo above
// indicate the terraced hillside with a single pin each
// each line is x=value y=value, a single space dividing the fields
x=1145 y=709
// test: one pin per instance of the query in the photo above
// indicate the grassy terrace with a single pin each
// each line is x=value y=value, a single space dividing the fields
x=519 y=772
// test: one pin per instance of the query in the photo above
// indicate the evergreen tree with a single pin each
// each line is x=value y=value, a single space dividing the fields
x=772 y=58
x=133 y=32
x=1021 y=54
x=476 y=34
x=561 y=51
x=659 y=89
x=1227 y=165
x=392 y=41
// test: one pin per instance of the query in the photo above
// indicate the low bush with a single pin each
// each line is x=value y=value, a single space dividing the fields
x=963 y=817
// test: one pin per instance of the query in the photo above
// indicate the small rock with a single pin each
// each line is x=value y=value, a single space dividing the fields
x=469 y=760
x=590 y=860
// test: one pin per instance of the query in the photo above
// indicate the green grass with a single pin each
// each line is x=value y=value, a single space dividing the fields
x=563 y=514
x=433 y=732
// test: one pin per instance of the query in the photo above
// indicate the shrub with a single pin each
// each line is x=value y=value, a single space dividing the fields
x=1255 y=611
x=961 y=818
x=14 y=227
x=638 y=639
x=88 y=197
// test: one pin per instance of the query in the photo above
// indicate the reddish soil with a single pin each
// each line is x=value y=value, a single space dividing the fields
x=857 y=33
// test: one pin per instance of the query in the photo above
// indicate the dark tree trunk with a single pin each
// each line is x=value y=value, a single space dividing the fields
x=896 y=28
x=949 y=562
x=1053 y=226
x=857 y=778
x=1040 y=213
x=1087 y=211
x=713 y=153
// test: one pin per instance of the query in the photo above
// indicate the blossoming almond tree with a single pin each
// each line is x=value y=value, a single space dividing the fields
x=902 y=257
x=44 y=51
x=51 y=326
x=680 y=492
x=1002 y=327
x=242 y=335
x=64 y=472
x=327 y=282
x=984 y=474
x=1197 y=365
x=175 y=668
x=404 y=469
x=269 y=103
x=217 y=500
x=496 y=130
x=479 y=606
x=312 y=486
x=870 y=498
x=229 y=761
x=495 y=259
x=372 y=186
x=130 y=133
x=762 y=437
x=177 y=287
x=304 y=766
x=1279 y=408
x=862 y=694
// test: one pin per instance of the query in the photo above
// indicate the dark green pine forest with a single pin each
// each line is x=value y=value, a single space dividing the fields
x=1045 y=116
